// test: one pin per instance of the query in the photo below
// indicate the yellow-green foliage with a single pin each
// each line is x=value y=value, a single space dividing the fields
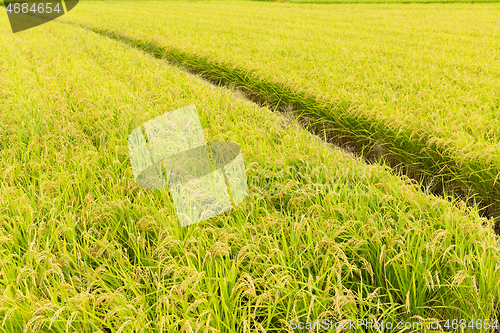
x=321 y=234
x=422 y=81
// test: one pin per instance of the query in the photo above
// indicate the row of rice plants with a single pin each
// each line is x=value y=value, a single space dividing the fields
x=320 y=236
x=418 y=83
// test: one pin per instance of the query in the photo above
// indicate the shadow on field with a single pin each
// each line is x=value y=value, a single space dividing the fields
x=432 y=167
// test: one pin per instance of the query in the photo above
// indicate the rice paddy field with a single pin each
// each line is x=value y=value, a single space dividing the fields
x=417 y=84
x=322 y=235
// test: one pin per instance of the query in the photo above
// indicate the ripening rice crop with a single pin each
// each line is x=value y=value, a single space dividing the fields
x=321 y=235
x=418 y=82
